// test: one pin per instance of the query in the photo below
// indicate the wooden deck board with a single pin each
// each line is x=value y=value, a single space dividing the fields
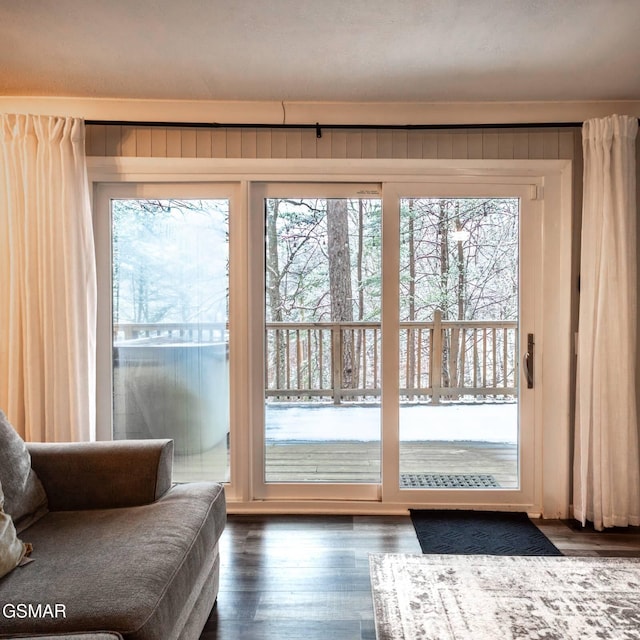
x=360 y=461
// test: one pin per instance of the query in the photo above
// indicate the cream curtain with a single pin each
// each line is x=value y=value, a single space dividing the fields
x=606 y=462
x=47 y=280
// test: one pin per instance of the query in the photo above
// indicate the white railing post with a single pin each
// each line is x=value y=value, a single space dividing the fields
x=336 y=362
x=436 y=358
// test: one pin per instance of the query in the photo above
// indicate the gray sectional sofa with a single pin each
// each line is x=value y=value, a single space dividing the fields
x=123 y=551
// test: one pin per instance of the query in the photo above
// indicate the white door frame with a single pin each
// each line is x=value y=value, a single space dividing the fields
x=103 y=193
x=548 y=180
x=288 y=491
x=527 y=496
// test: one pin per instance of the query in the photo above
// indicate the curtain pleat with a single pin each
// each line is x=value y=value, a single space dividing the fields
x=606 y=460
x=47 y=279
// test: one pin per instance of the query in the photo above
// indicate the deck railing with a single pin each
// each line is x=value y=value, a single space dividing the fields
x=342 y=361
x=164 y=331
x=438 y=360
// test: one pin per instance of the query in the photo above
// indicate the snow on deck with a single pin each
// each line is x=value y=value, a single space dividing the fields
x=488 y=422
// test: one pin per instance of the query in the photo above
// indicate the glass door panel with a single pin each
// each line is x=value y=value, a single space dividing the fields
x=458 y=343
x=170 y=284
x=322 y=339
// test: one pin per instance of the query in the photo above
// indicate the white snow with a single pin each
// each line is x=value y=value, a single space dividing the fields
x=453 y=422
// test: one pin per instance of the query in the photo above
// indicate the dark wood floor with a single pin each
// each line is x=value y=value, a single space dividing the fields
x=307 y=577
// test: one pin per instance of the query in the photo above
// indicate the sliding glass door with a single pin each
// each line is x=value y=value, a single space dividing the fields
x=463 y=264
x=459 y=311
x=398 y=349
x=169 y=321
x=354 y=342
x=322 y=339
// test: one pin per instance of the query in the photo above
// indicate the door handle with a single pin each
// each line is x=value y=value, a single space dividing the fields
x=529 y=359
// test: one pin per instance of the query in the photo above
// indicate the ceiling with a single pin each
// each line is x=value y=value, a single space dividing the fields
x=322 y=50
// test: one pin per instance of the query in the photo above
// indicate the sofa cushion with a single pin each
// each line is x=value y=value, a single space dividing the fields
x=131 y=570
x=25 y=498
x=12 y=550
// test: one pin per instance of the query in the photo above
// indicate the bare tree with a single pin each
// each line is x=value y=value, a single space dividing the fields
x=274 y=275
x=340 y=279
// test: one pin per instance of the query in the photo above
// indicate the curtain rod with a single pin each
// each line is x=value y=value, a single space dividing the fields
x=319 y=127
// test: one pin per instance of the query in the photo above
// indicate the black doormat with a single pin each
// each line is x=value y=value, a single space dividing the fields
x=480 y=533
x=447 y=481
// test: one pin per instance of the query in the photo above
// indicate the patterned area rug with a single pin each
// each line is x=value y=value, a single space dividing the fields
x=505 y=597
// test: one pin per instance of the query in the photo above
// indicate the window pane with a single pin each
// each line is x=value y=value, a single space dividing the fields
x=458 y=343
x=170 y=329
x=323 y=340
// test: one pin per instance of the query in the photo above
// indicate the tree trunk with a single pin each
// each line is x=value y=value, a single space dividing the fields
x=411 y=347
x=456 y=345
x=361 y=342
x=443 y=230
x=340 y=280
x=277 y=346
x=273 y=266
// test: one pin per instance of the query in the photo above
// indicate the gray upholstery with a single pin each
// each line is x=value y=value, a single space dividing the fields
x=149 y=571
x=24 y=497
x=12 y=549
x=75 y=636
x=103 y=475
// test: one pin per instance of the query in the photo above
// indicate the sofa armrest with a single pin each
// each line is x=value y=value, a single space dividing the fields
x=103 y=475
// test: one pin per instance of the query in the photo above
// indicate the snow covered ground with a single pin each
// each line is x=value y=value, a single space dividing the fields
x=453 y=422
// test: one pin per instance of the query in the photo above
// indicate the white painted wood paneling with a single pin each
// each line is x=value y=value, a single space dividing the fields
x=488 y=144
x=491 y=144
x=204 y=143
x=369 y=144
x=158 y=143
x=113 y=141
x=219 y=148
x=143 y=142
x=294 y=143
x=354 y=143
x=263 y=144
x=278 y=143
x=249 y=146
x=308 y=143
x=189 y=143
x=233 y=144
